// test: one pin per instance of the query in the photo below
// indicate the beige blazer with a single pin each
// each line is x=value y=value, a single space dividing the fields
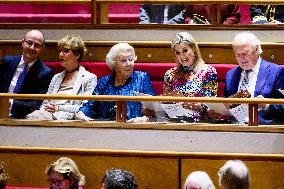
x=84 y=85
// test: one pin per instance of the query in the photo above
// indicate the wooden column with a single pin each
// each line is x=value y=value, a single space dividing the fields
x=253 y=115
x=121 y=111
x=4 y=108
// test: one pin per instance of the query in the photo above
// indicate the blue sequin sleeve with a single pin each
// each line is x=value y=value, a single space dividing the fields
x=139 y=82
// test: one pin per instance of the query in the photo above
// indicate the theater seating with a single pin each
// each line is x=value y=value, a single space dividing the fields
x=64 y=13
x=155 y=70
x=123 y=13
x=45 y=13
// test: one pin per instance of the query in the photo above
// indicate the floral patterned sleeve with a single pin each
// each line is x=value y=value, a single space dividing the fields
x=167 y=85
x=210 y=84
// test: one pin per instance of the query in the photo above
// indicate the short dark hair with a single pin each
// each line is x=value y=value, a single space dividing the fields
x=119 y=179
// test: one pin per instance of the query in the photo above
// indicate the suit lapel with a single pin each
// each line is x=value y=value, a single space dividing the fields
x=234 y=82
x=262 y=76
x=11 y=72
x=78 y=82
x=58 y=83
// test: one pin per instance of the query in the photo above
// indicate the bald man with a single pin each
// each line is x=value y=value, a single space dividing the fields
x=25 y=74
x=234 y=175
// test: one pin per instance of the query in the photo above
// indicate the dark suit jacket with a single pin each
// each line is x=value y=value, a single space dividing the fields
x=259 y=10
x=36 y=82
x=270 y=78
x=155 y=14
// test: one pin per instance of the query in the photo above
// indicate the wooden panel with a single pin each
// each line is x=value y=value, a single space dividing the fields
x=264 y=174
x=152 y=51
x=28 y=169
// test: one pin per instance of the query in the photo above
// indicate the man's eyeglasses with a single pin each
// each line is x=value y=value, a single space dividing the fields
x=31 y=43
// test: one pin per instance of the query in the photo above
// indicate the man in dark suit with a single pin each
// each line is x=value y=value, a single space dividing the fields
x=264 y=78
x=35 y=80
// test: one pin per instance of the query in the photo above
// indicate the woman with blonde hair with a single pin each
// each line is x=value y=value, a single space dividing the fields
x=74 y=80
x=64 y=174
x=191 y=77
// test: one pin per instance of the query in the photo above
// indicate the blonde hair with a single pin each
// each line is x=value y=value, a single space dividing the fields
x=67 y=167
x=76 y=44
x=3 y=176
x=185 y=37
x=114 y=52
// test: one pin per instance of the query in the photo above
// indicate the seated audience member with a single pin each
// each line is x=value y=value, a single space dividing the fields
x=234 y=175
x=198 y=180
x=260 y=78
x=161 y=14
x=73 y=80
x=25 y=74
x=263 y=14
x=3 y=176
x=191 y=77
x=119 y=179
x=64 y=174
x=202 y=14
x=123 y=81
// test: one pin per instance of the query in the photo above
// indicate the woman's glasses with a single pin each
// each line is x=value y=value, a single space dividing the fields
x=65 y=51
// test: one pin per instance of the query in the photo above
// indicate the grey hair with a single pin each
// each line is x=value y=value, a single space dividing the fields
x=248 y=37
x=234 y=174
x=201 y=178
x=185 y=37
x=116 y=50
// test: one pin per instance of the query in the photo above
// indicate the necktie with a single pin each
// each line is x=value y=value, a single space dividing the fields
x=21 y=79
x=245 y=82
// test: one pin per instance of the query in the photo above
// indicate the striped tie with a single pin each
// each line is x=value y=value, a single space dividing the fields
x=245 y=82
x=21 y=79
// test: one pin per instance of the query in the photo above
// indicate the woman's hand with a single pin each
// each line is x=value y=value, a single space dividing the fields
x=51 y=107
x=147 y=112
x=192 y=106
x=216 y=116
x=81 y=116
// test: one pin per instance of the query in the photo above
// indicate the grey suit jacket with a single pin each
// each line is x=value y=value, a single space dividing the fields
x=84 y=85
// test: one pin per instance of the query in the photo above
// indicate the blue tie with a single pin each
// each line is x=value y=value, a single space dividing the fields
x=21 y=79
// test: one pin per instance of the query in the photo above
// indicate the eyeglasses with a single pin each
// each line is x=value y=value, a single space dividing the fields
x=32 y=43
x=64 y=51
x=56 y=181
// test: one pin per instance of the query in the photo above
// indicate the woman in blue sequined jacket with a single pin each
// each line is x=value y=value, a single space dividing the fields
x=123 y=81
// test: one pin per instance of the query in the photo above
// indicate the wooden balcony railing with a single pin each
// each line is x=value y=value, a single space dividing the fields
x=121 y=102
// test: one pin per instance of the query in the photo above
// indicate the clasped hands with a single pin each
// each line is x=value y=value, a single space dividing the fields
x=51 y=107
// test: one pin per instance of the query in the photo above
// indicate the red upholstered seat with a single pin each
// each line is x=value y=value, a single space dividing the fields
x=64 y=13
x=245 y=14
x=45 y=18
x=156 y=72
x=124 y=13
x=45 y=13
x=22 y=187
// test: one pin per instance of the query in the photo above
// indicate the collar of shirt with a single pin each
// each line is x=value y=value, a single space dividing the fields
x=21 y=64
